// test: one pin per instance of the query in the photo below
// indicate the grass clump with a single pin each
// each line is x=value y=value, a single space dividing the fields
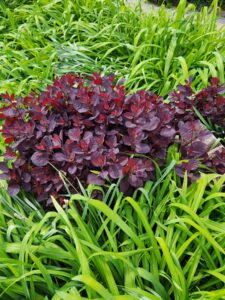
x=164 y=242
x=157 y=51
x=197 y=3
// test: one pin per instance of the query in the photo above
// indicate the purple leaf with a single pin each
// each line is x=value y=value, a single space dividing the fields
x=26 y=177
x=168 y=132
x=78 y=150
x=72 y=169
x=189 y=129
x=149 y=165
x=59 y=156
x=128 y=115
x=52 y=125
x=88 y=135
x=152 y=125
x=19 y=162
x=135 y=181
x=104 y=174
x=126 y=140
x=197 y=149
x=123 y=160
x=192 y=165
x=18 y=142
x=94 y=179
x=40 y=159
x=115 y=172
x=26 y=186
x=111 y=141
x=13 y=189
x=56 y=141
x=142 y=148
x=81 y=108
x=74 y=134
x=98 y=160
x=129 y=124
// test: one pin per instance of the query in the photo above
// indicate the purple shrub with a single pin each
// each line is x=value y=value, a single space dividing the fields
x=210 y=102
x=80 y=125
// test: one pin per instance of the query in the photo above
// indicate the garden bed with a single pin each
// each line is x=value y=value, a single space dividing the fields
x=112 y=158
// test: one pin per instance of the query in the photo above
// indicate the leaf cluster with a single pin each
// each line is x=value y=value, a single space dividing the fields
x=93 y=130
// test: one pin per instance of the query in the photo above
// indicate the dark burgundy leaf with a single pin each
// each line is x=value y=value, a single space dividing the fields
x=72 y=169
x=129 y=124
x=168 y=132
x=189 y=166
x=98 y=160
x=149 y=165
x=56 y=141
x=59 y=156
x=142 y=148
x=128 y=116
x=19 y=162
x=18 y=143
x=74 y=134
x=26 y=186
x=104 y=174
x=26 y=177
x=13 y=189
x=152 y=125
x=94 y=179
x=115 y=171
x=111 y=141
x=78 y=150
x=188 y=130
x=88 y=135
x=40 y=159
x=126 y=140
x=197 y=149
x=135 y=181
x=123 y=160
x=192 y=164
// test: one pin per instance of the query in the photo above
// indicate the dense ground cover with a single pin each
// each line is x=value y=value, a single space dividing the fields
x=166 y=239
x=164 y=242
x=157 y=51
